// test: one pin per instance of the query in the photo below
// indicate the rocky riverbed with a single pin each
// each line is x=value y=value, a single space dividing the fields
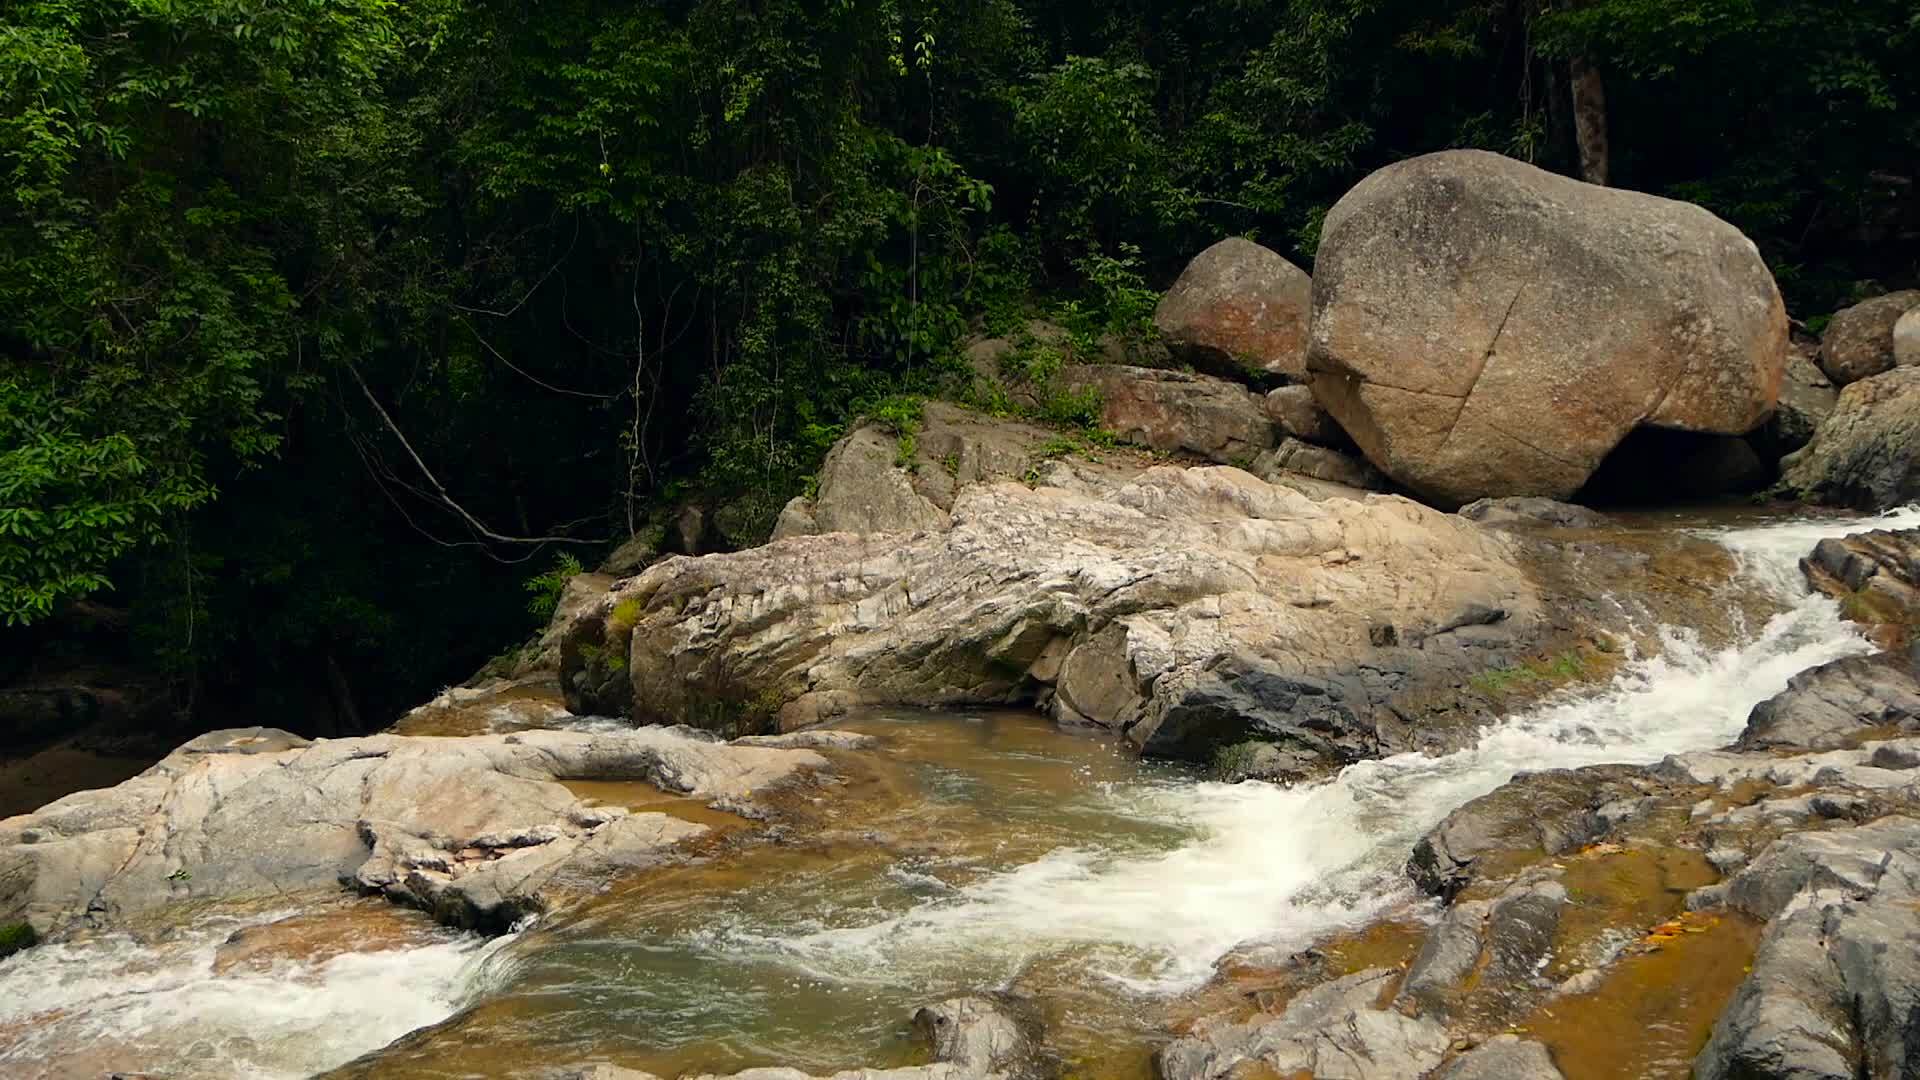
x=1279 y=725
x=795 y=899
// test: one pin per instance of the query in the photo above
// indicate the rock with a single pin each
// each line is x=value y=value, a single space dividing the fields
x=1177 y=411
x=476 y=830
x=1535 y=813
x=814 y=739
x=1482 y=327
x=1834 y=990
x=1906 y=339
x=1863 y=455
x=1503 y=1057
x=1727 y=769
x=1489 y=946
x=1320 y=463
x=1299 y=415
x=633 y=555
x=1532 y=510
x=980 y=1036
x=580 y=592
x=1859 y=342
x=863 y=489
x=1447 y=958
x=1875 y=575
x=1839 y=705
x=1189 y=608
x=1807 y=398
x=1331 y=1032
x=693 y=532
x=1239 y=308
x=796 y=519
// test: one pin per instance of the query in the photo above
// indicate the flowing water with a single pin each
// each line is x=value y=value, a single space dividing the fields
x=970 y=851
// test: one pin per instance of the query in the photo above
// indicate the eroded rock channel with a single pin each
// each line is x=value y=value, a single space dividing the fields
x=1615 y=833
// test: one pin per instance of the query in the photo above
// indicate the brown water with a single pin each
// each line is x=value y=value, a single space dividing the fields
x=748 y=956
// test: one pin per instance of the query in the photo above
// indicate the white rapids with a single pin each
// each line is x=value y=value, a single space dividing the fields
x=1255 y=863
x=111 y=1003
x=1287 y=865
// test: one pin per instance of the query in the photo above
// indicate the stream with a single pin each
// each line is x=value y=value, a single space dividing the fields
x=969 y=851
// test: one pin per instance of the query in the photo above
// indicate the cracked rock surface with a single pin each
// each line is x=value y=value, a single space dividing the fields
x=1482 y=327
x=477 y=830
x=1188 y=608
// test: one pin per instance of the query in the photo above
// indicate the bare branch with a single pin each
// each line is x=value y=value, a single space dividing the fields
x=440 y=490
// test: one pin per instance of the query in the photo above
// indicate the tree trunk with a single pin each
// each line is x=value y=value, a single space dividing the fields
x=1589 y=119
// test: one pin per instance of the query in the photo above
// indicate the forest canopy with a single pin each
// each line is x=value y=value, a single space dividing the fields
x=324 y=324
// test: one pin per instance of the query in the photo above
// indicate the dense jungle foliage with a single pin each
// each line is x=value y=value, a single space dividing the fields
x=326 y=324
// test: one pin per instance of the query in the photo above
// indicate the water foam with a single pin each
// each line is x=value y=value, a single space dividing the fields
x=1287 y=865
x=119 y=1004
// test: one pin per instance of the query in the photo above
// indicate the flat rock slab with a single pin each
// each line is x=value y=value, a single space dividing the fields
x=478 y=830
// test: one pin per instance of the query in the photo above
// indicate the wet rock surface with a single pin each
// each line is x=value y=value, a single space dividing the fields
x=1334 y=1031
x=477 y=830
x=1532 y=510
x=1503 y=1057
x=1835 y=987
x=1565 y=886
x=1876 y=578
x=1840 y=705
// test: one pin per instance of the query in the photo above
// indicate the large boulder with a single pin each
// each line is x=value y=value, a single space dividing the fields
x=1188 y=608
x=874 y=482
x=580 y=592
x=1239 y=308
x=1859 y=342
x=1177 y=411
x=477 y=830
x=1864 y=454
x=1482 y=327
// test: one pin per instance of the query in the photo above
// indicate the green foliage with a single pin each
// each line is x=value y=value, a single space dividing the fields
x=545 y=587
x=594 y=260
x=624 y=617
x=901 y=414
x=15 y=937
x=1235 y=762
